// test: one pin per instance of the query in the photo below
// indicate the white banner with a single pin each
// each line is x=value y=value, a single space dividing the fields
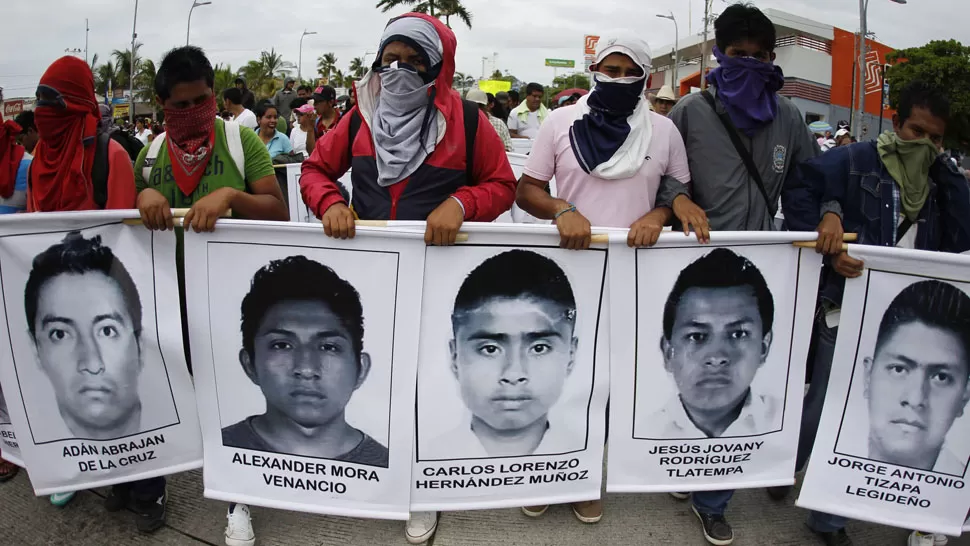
x=513 y=372
x=894 y=438
x=708 y=360
x=299 y=212
x=9 y=449
x=98 y=389
x=305 y=350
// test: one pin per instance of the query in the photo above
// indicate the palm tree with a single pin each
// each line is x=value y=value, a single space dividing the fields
x=434 y=8
x=145 y=81
x=358 y=67
x=103 y=75
x=94 y=62
x=326 y=64
x=225 y=78
x=123 y=65
x=274 y=65
x=338 y=78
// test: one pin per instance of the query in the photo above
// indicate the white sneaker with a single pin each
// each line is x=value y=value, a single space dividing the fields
x=421 y=526
x=239 y=529
x=917 y=538
x=680 y=495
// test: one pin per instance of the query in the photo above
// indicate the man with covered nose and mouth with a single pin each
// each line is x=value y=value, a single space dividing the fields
x=84 y=317
x=512 y=350
x=716 y=336
x=303 y=330
x=916 y=382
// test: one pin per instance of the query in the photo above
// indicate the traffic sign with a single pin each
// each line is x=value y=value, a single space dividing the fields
x=561 y=63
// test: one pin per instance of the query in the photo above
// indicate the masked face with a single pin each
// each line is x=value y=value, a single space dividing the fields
x=921 y=123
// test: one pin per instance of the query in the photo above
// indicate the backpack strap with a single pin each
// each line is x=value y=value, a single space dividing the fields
x=355 y=121
x=743 y=152
x=234 y=142
x=470 y=114
x=99 y=171
x=152 y=156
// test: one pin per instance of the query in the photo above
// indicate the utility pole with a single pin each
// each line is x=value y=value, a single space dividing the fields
x=675 y=83
x=131 y=72
x=707 y=17
x=87 y=30
x=299 y=70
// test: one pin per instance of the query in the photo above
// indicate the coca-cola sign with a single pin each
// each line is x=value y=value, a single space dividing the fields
x=12 y=108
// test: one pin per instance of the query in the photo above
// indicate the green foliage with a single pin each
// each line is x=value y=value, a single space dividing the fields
x=434 y=8
x=945 y=63
x=567 y=81
x=326 y=65
x=123 y=65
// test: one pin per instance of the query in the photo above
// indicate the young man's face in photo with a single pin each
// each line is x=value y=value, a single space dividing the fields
x=304 y=362
x=716 y=346
x=511 y=357
x=86 y=344
x=916 y=385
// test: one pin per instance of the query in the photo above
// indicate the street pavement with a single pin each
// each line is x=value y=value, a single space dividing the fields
x=656 y=519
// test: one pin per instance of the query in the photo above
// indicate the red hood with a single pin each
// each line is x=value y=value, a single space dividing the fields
x=446 y=77
x=447 y=100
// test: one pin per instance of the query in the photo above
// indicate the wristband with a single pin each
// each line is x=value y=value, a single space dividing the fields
x=570 y=208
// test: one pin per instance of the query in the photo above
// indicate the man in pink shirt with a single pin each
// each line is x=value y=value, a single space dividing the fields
x=616 y=163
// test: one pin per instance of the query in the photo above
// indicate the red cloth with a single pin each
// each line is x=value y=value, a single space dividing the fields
x=61 y=170
x=490 y=193
x=10 y=155
x=191 y=138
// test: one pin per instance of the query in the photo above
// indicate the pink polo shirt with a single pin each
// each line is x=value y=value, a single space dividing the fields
x=606 y=203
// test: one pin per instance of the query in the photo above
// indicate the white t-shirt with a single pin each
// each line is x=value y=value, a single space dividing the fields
x=530 y=128
x=606 y=203
x=247 y=118
x=298 y=140
x=143 y=136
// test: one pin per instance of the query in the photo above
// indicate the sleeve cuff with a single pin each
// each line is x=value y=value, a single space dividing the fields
x=464 y=214
x=830 y=206
x=328 y=202
x=669 y=189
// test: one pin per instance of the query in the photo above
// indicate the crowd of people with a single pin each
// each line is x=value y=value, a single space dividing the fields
x=718 y=160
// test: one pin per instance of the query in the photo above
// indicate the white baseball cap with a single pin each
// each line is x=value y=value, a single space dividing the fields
x=477 y=96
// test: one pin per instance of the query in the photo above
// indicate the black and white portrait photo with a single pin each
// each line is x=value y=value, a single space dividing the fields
x=910 y=388
x=302 y=332
x=716 y=338
x=4 y=414
x=84 y=318
x=713 y=342
x=305 y=352
x=307 y=364
x=510 y=372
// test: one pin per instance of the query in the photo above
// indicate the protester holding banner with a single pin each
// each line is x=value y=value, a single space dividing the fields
x=601 y=172
x=203 y=165
x=743 y=140
x=408 y=170
x=63 y=175
x=602 y=175
x=403 y=167
x=896 y=191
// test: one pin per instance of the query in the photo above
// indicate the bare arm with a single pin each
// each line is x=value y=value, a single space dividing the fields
x=532 y=197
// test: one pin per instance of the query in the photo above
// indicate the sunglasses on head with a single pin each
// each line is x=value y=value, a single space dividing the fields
x=48 y=96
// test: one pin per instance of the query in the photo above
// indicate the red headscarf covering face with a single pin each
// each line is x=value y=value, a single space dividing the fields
x=10 y=155
x=67 y=122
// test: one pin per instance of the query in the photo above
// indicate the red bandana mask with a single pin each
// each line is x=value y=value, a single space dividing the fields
x=10 y=155
x=191 y=134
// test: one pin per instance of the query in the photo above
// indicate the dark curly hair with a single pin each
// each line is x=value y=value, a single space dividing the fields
x=76 y=255
x=298 y=278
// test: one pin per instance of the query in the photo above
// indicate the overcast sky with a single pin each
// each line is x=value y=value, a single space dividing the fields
x=522 y=32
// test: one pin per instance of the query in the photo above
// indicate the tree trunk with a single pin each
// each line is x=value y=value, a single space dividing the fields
x=431 y=7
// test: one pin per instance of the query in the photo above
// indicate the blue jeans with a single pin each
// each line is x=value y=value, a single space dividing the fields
x=712 y=502
x=824 y=345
